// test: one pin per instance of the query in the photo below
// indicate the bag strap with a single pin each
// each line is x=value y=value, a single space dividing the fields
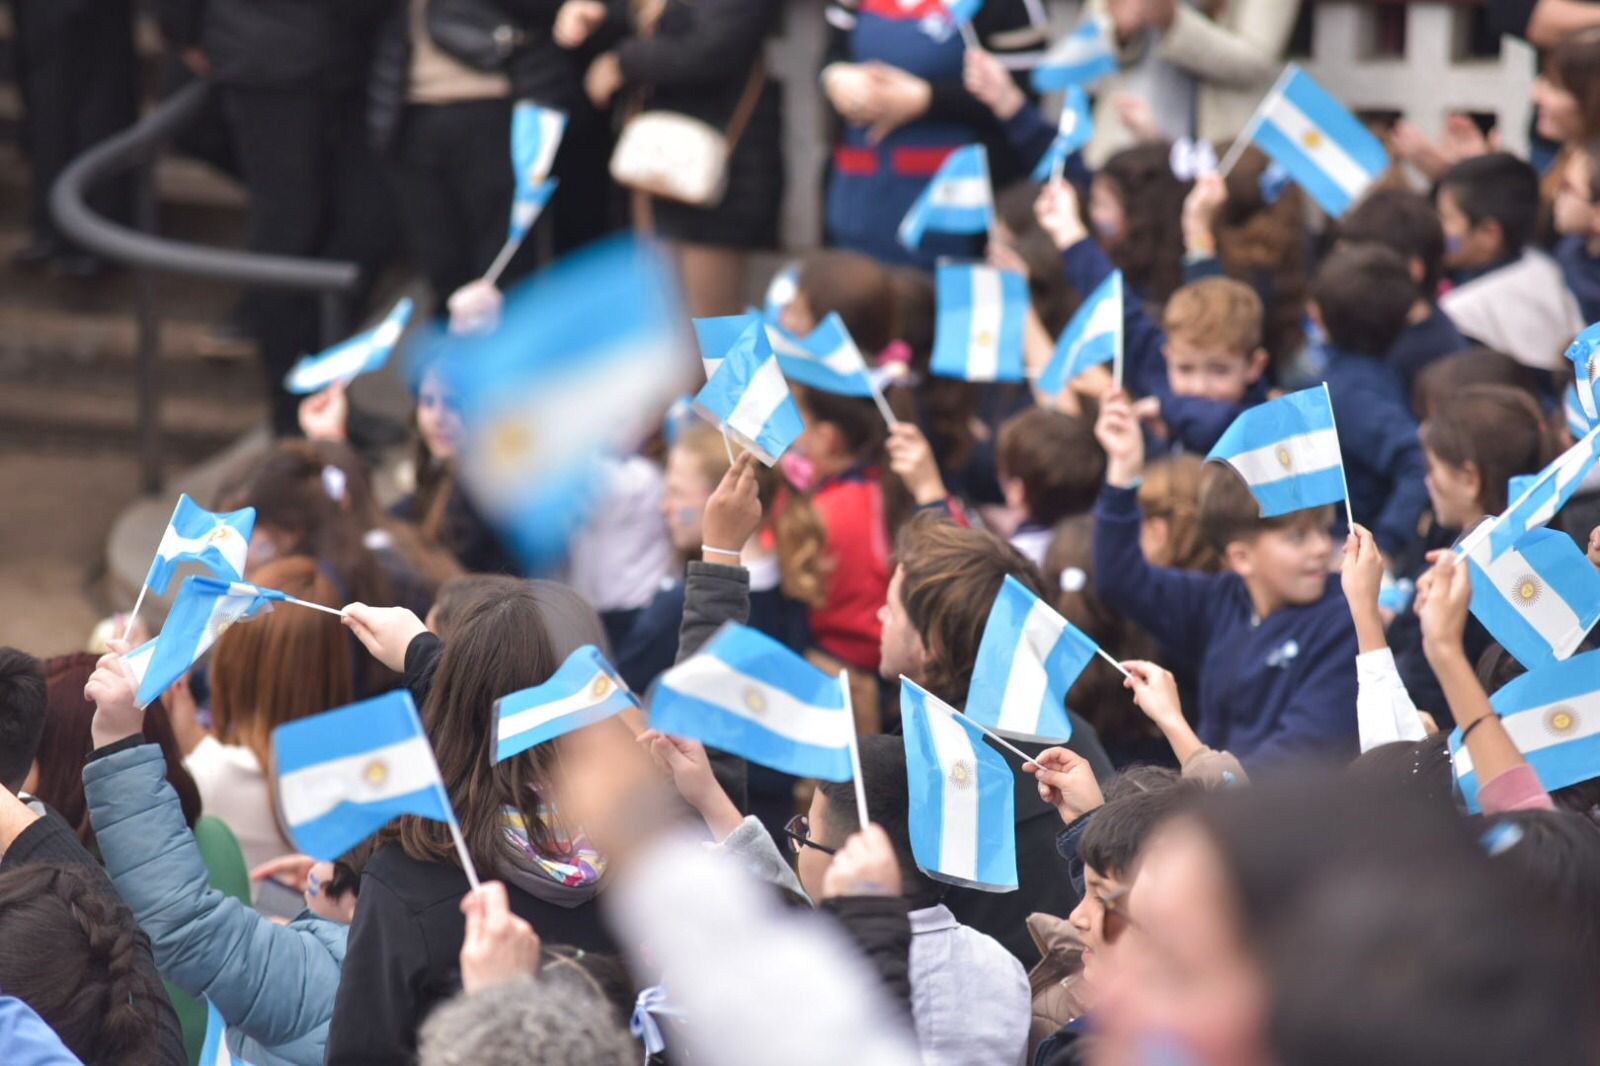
x=747 y=104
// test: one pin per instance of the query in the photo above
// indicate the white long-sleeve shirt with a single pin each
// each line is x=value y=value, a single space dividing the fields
x=1384 y=711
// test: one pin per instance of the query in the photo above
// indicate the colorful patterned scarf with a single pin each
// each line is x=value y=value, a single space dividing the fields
x=574 y=863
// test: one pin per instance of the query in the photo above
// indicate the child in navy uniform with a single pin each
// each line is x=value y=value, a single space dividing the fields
x=1269 y=638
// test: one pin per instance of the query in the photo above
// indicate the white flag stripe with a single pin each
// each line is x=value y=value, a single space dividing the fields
x=228 y=542
x=551 y=125
x=1104 y=318
x=761 y=397
x=1568 y=468
x=1531 y=732
x=988 y=312
x=514 y=724
x=1547 y=612
x=1307 y=452
x=1025 y=687
x=308 y=794
x=1316 y=144
x=708 y=678
x=958 y=823
x=959 y=192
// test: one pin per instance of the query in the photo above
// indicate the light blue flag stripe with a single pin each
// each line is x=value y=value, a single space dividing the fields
x=827 y=358
x=749 y=398
x=1287 y=451
x=1027 y=660
x=1323 y=146
x=963 y=10
x=203 y=608
x=1297 y=494
x=1584 y=354
x=781 y=291
x=1081 y=57
x=1539 y=599
x=1578 y=423
x=717 y=336
x=583 y=690
x=962 y=797
x=214 y=1049
x=1092 y=337
x=361 y=354
x=218 y=541
x=1074 y=130
x=957 y=199
x=358 y=727
x=978 y=322
x=536 y=134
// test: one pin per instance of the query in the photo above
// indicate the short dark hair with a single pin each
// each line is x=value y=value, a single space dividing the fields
x=1471 y=366
x=1116 y=833
x=23 y=699
x=1056 y=458
x=1229 y=513
x=1499 y=430
x=883 y=779
x=1364 y=293
x=1404 y=220
x=1499 y=187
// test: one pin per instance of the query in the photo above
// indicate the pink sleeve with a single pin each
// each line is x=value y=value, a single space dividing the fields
x=1518 y=789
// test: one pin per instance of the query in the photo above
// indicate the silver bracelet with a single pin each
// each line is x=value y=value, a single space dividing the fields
x=706 y=549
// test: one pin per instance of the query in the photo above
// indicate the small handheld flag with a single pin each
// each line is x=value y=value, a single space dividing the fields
x=978 y=326
x=584 y=690
x=349 y=359
x=1073 y=131
x=1325 y=148
x=963 y=823
x=957 y=199
x=203 y=609
x=1584 y=354
x=781 y=291
x=747 y=694
x=214 y=1049
x=1578 y=420
x=716 y=336
x=535 y=136
x=749 y=398
x=1539 y=599
x=826 y=359
x=1546 y=495
x=1094 y=336
x=1287 y=451
x=218 y=541
x=1081 y=58
x=1553 y=716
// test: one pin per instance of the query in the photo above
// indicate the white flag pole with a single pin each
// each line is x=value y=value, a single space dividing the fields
x=855 y=749
x=1098 y=650
x=314 y=606
x=1241 y=142
x=968 y=38
x=1349 y=516
x=727 y=446
x=461 y=846
x=883 y=405
x=997 y=738
x=503 y=260
x=144 y=586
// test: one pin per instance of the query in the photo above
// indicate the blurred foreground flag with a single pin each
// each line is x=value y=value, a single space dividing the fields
x=583 y=690
x=963 y=826
x=585 y=360
x=1539 y=599
x=535 y=135
x=826 y=358
x=214 y=1049
x=1081 y=57
x=749 y=695
x=1325 y=148
x=204 y=608
x=957 y=199
x=1287 y=451
x=1094 y=336
x=349 y=359
x=344 y=774
x=749 y=398
x=977 y=333
x=219 y=542
x=1028 y=659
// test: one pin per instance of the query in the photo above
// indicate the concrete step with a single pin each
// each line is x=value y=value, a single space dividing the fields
x=105 y=419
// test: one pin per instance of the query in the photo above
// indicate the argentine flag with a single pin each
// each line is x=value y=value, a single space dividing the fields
x=957 y=199
x=1578 y=421
x=1287 y=451
x=1028 y=659
x=572 y=374
x=1093 y=336
x=749 y=397
x=1539 y=599
x=344 y=774
x=582 y=691
x=963 y=822
x=781 y=291
x=219 y=542
x=349 y=359
x=1547 y=494
x=1082 y=57
x=716 y=336
x=535 y=135
x=977 y=333
x=747 y=694
x=1325 y=148
x=1584 y=354
x=826 y=358
x=204 y=608
x=1073 y=131
x=1553 y=715
x=214 y=1049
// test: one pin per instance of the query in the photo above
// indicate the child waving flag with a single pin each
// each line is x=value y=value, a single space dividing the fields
x=1287 y=451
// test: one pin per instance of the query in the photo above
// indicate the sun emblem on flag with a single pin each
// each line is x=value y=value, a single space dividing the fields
x=375 y=773
x=510 y=443
x=1593 y=369
x=755 y=700
x=1285 y=459
x=601 y=687
x=1561 y=720
x=962 y=773
x=219 y=534
x=1312 y=139
x=983 y=338
x=1527 y=589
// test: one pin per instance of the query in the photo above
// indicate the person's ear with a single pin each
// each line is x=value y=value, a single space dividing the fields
x=1474 y=478
x=1240 y=555
x=1012 y=491
x=1418 y=269
x=1256 y=366
x=1494 y=234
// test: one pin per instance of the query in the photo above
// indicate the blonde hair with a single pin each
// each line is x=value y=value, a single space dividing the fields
x=1171 y=491
x=1216 y=312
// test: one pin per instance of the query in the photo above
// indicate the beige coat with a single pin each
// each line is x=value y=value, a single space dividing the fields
x=1234 y=60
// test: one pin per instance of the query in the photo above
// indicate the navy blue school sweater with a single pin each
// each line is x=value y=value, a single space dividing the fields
x=1271 y=689
x=1582 y=272
x=1383 y=460
x=1422 y=343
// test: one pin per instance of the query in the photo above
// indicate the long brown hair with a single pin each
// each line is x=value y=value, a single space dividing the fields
x=1171 y=491
x=1264 y=245
x=1151 y=252
x=1574 y=67
x=856 y=286
x=1498 y=429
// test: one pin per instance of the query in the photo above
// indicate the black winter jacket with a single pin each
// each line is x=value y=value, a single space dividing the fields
x=274 y=43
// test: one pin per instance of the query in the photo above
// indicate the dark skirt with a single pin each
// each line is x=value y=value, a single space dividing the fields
x=747 y=217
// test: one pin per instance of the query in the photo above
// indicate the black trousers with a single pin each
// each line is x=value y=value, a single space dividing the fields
x=78 y=77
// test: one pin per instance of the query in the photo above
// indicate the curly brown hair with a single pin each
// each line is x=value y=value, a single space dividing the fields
x=1150 y=253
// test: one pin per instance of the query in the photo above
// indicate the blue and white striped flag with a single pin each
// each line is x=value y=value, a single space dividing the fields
x=349 y=359
x=1028 y=659
x=584 y=690
x=977 y=333
x=716 y=336
x=1553 y=715
x=1073 y=131
x=1578 y=420
x=1094 y=336
x=747 y=694
x=218 y=541
x=749 y=398
x=346 y=773
x=1548 y=493
x=1082 y=57
x=535 y=135
x=1584 y=354
x=1539 y=599
x=781 y=291
x=1287 y=451
x=963 y=821
x=214 y=1049
x=957 y=199
x=203 y=608
x=826 y=358
x=1325 y=148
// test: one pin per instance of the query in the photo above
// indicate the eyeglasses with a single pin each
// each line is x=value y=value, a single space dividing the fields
x=798 y=830
x=1117 y=919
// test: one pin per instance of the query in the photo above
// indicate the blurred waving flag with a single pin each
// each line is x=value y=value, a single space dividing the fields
x=978 y=325
x=826 y=358
x=1028 y=659
x=585 y=689
x=535 y=135
x=214 y=1048
x=1553 y=715
x=1081 y=57
x=349 y=359
x=747 y=694
x=957 y=199
x=586 y=358
x=717 y=335
x=1094 y=336
x=1546 y=495
x=1325 y=148
x=963 y=825
x=1584 y=353
x=749 y=398
x=1072 y=132
x=1539 y=599
x=346 y=773
x=203 y=609
x=1578 y=420
x=1287 y=451
x=218 y=541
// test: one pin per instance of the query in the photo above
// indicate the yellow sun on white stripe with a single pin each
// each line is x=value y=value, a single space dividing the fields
x=1312 y=139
